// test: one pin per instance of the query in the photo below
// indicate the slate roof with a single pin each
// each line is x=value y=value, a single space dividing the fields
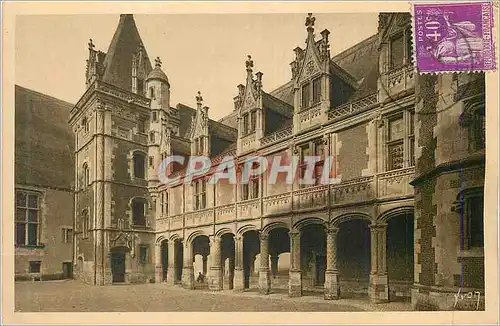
x=361 y=62
x=44 y=141
x=118 y=62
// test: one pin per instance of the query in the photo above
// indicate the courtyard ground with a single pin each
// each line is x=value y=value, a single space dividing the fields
x=71 y=296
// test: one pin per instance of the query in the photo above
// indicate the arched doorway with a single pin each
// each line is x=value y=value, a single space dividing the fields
x=313 y=256
x=251 y=247
x=228 y=257
x=279 y=252
x=118 y=264
x=400 y=255
x=353 y=256
x=201 y=251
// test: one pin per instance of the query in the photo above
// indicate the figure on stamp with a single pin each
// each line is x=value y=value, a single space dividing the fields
x=461 y=44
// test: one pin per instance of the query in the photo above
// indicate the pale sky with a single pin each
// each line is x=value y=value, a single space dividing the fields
x=205 y=52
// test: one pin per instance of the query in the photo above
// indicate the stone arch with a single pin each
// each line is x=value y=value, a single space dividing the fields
x=309 y=221
x=174 y=237
x=274 y=225
x=160 y=239
x=222 y=232
x=194 y=234
x=246 y=228
x=350 y=216
x=386 y=216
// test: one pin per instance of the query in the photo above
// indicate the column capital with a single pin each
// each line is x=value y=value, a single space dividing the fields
x=378 y=226
x=264 y=236
x=332 y=230
x=294 y=233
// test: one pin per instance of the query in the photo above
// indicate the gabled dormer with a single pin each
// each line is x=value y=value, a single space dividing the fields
x=311 y=76
x=250 y=113
x=200 y=136
x=395 y=54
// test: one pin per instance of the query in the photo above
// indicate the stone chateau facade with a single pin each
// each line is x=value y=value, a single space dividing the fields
x=405 y=221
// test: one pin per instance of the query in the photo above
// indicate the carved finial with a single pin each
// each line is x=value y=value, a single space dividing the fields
x=199 y=99
x=259 y=80
x=158 y=62
x=310 y=22
x=91 y=44
x=249 y=63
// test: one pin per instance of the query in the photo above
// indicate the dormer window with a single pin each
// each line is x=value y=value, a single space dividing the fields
x=140 y=86
x=316 y=90
x=199 y=147
x=305 y=96
x=249 y=122
x=400 y=51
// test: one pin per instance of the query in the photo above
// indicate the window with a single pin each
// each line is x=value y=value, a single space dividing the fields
x=411 y=138
x=470 y=206
x=199 y=145
x=140 y=86
x=27 y=218
x=250 y=190
x=316 y=90
x=85 y=124
x=151 y=92
x=139 y=165
x=477 y=129
x=400 y=143
x=253 y=120
x=313 y=148
x=86 y=176
x=400 y=49
x=35 y=267
x=164 y=203
x=67 y=235
x=141 y=126
x=395 y=144
x=246 y=127
x=85 y=224
x=139 y=211
x=305 y=96
x=152 y=136
x=397 y=49
x=143 y=255
x=199 y=195
x=154 y=116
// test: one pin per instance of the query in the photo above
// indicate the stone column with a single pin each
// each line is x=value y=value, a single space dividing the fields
x=171 y=270
x=205 y=259
x=158 y=264
x=295 y=277
x=264 y=277
x=379 y=288
x=274 y=264
x=215 y=281
x=239 y=277
x=229 y=274
x=332 y=286
x=188 y=268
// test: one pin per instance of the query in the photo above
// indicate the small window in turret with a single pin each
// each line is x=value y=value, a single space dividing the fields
x=154 y=116
x=151 y=93
x=140 y=86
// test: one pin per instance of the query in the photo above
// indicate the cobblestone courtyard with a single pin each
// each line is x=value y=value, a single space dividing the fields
x=57 y=296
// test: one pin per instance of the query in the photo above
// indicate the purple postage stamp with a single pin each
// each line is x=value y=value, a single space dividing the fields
x=454 y=37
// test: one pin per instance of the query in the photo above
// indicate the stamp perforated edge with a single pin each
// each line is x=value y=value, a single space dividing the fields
x=494 y=6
